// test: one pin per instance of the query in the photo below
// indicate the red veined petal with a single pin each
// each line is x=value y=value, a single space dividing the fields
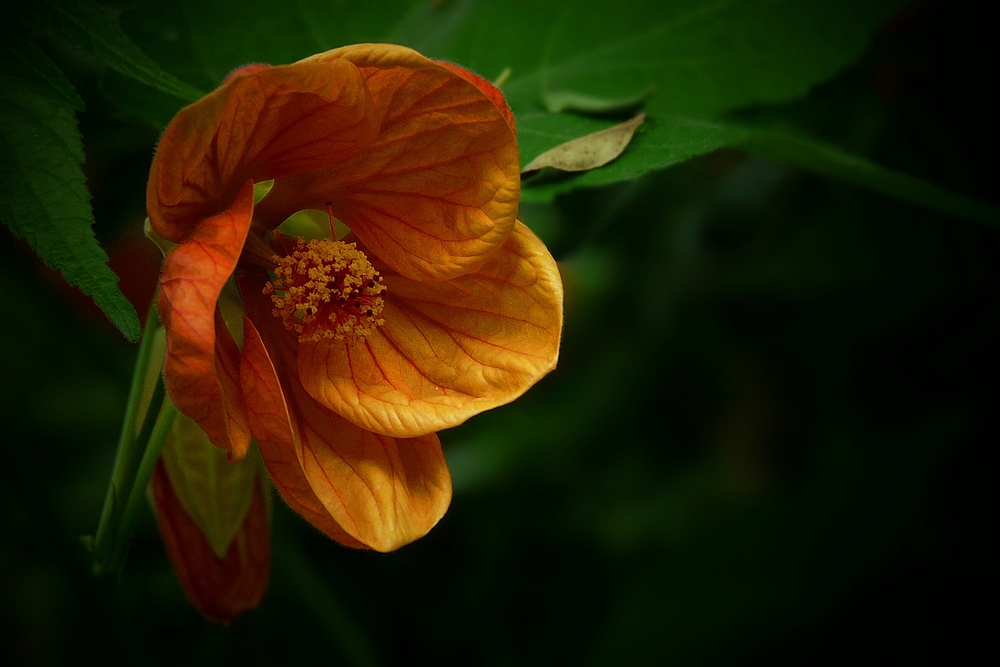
x=201 y=363
x=383 y=492
x=272 y=425
x=437 y=190
x=261 y=124
x=447 y=350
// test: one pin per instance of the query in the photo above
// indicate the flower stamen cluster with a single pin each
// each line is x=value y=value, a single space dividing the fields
x=326 y=289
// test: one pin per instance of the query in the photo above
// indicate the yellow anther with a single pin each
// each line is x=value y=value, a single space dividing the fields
x=326 y=289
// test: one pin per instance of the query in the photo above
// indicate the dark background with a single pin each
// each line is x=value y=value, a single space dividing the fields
x=772 y=436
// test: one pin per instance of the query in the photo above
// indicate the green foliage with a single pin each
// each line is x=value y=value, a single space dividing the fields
x=84 y=25
x=774 y=407
x=704 y=58
x=668 y=141
x=43 y=192
x=690 y=61
x=557 y=101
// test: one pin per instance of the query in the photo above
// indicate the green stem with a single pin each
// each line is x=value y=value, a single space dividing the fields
x=157 y=436
x=127 y=456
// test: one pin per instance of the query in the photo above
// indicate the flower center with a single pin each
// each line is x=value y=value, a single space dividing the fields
x=326 y=289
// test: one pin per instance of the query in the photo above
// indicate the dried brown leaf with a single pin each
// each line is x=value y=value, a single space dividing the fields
x=589 y=151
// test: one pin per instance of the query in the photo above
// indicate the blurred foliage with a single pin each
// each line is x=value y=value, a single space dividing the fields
x=771 y=437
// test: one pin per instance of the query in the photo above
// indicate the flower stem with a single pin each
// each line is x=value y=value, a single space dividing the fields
x=150 y=457
x=127 y=457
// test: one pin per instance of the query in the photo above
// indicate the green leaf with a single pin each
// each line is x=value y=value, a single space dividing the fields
x=705 y=58
x=43 y=192
x=557 y=101
x=137 y=102
x=260 y=190
x=675 y=140
x=215 y=493
x=86 y=26
x=201 y=42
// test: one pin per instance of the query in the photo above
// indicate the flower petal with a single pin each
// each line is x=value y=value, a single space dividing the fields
x=447 y=350
x=261 y=124
x=272 y=425
x=488 y=89
x=437 y=191
x=201 y=365
x=220 y=588
x=382 y=492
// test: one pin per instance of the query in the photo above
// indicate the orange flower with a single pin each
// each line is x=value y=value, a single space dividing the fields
x=351 y=354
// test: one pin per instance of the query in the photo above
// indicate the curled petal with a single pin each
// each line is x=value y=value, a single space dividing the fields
x=201 y=364
x=220 y=588
x=437 y=190
x=382 y=492
x=261 y=124
x=447 y=350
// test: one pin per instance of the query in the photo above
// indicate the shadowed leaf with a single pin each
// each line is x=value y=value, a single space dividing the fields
x=43 y=197
x=683 y=139
x=85 y=26
x=556 y=101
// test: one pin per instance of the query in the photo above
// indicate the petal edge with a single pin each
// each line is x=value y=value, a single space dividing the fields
x=382 y=492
